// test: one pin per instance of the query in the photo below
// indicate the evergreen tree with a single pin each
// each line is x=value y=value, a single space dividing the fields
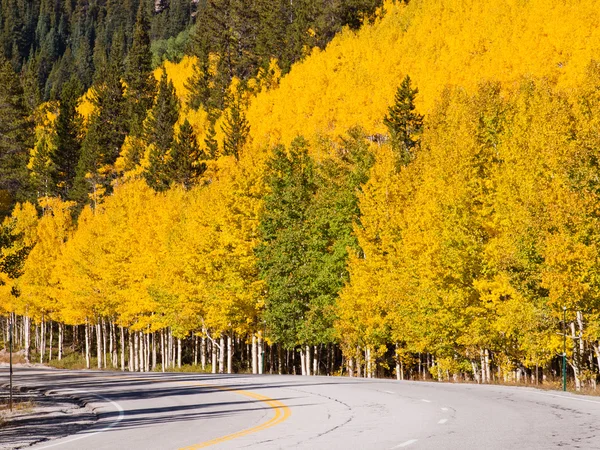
x=67 y=139
x=236 y=127
x=186 y=164
x=41 y=165
x=141 y=84
x=16 y=137
x=106 y=133
x=159 y=132
x=404 y=124
x=212 y=146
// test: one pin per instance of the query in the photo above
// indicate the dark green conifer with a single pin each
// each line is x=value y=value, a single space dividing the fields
x=68 y=140
x=141 y=84
x=159 y=132
x=187 y=160
x=236 y=127
x=404 y=124
x=16 y=138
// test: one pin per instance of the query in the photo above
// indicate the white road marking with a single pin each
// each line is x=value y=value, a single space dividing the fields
x=389 y=392
x=443 y=421
x=444 y=409
x=406 y=444
x=108 y=427
x=426 y=401
x=568 y=397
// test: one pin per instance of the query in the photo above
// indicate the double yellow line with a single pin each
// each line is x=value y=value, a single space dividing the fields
x=282 y=412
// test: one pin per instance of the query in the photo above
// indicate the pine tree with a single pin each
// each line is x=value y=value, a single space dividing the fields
x=16 y=136
x=186 y=164
x=41 y=165
x=141 y=84
x=159 y=132
x=236 y=127
x=212 y=146
x=404 y=123
x=106 y=133
x=67 y=139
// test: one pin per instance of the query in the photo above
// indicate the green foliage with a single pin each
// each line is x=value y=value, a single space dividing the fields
x=68 y=130
x=235 y=127
x=140 y=81
x=106 y=133
x=16 y=137
x=159 y=134
x=186 y=164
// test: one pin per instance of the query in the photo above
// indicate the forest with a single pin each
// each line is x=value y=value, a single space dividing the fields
x=350 y=187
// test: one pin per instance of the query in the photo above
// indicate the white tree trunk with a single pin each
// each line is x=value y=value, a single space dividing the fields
x=50 y=341
x=122 y=349
x=60 y=340
x=131 y=361
x=214 y=357
x=99 y=345
x=307 y=363
x=229 y=354
x=42 y=346
x=261 y=355
x=153 y=352
x=136 y=351
x=221 y=354
x=163 y=359
x=315 y=360
x=87 y=346
x=254 y=356
x=179 y=353
x=203 y=352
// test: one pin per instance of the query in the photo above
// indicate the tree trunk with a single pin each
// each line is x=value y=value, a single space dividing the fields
x=254 y=355
x=163 y=359
x=279 y=360
x=87 y=346
x=261 y=355
x=307 y=363
x=104 y=343
x=203 y=353
x=26 y=332
x=575 y=361
x=132 y=350
x=315 y=360
x=99 y=345
x=179 y=353
x=214 y=357
x=51 y=338
x=136 y=351
x=153 y=352
x=302 y=361
x=60 y=340
x=229 y=355
x=122 y=349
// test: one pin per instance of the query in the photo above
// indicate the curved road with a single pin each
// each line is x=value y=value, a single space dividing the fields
x=190 y=411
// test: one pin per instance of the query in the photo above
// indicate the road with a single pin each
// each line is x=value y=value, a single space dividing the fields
x=191 y=411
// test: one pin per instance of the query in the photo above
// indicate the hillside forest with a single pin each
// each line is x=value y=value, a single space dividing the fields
x=401 y=189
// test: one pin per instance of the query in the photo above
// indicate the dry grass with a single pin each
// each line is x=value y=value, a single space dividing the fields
x=18 y=357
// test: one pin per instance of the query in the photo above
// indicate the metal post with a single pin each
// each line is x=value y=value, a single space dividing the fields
x=564 y=371
x=10 y=346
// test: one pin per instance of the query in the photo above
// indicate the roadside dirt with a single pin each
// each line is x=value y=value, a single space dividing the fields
x=39 y=417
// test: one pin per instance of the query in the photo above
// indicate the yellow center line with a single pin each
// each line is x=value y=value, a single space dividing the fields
x=282 y=411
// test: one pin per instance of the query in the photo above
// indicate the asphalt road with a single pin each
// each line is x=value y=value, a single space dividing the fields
x=176 y=411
